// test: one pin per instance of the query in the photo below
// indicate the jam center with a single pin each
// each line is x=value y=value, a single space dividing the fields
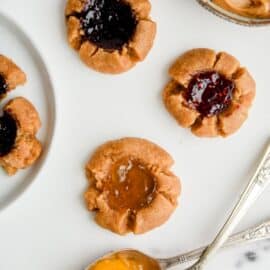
x=210 y=93
x=8 y=132
x=3 y=86
x=108 y=23
x=132 y=186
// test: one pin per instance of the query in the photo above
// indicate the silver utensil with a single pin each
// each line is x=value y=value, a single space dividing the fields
x=260 y=232
x=254 y=189
x=232 y=17
x=256 y=186
x=254 y=234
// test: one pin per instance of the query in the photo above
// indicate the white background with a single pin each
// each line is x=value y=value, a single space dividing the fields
x=49 y=227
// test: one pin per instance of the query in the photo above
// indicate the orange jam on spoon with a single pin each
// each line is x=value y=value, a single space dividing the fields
x=126 y=260
x=116 y=264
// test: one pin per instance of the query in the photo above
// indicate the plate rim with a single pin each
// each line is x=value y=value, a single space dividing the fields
x=54 y=119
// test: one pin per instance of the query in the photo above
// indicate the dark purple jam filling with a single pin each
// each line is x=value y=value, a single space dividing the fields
x=8 y=132
x=3 y=86
x=109 y=24
x=210 y=93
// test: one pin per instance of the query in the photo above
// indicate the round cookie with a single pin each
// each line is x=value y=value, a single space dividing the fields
x=19 y=147
x=209 y=92
x=111 y=36
x=11 y=76
x=131 y=186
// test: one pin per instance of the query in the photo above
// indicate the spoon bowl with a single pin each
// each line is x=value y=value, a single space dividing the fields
x=133 y=257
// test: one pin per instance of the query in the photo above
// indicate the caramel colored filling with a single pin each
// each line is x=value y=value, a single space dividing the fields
x=247 y=8
x=132 y=186
x=128 y=260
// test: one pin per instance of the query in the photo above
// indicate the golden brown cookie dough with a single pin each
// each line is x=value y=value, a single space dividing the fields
x=11 y=76
x=110 y=41
x=209 y=92
x=19 y=147
x=131 y=186
x=247 y=8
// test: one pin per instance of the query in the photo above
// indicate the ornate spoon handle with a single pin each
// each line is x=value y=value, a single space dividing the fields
x=260 y=232
x=254 y=189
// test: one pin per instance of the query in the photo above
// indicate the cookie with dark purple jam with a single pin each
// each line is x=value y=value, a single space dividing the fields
x=111 y=36
x=11 y=76
x=19 y=146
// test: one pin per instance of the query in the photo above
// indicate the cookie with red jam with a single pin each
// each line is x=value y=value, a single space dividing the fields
x=209 y=92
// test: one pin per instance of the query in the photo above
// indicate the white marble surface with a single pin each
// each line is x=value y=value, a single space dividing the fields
x=49 y=228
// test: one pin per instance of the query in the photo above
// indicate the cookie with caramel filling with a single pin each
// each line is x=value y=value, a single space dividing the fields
x=131 y=186
x=11 y=76
x=111 y=36
x=209 y=92
x=19 y=124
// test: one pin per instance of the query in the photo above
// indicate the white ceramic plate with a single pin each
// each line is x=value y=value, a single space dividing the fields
x=38 y=89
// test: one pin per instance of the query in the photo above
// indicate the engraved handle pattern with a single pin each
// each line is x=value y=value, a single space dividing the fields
x=263 y=175
x=260 y=232
x=254 y=189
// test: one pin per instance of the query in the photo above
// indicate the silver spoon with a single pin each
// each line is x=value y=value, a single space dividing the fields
x=254 y=234
x=254 y=189
x=257 y=184
x=232 y=17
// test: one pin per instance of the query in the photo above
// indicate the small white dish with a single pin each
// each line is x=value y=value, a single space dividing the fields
x=39 y=90
x=232 y=17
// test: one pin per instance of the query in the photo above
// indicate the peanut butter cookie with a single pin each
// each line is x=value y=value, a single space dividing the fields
x=209 y=92
x=19 y=147
x=11 y=76
x=111 y=36
x=131 y=186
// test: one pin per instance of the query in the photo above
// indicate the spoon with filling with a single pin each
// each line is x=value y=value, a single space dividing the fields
x=135 y=260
